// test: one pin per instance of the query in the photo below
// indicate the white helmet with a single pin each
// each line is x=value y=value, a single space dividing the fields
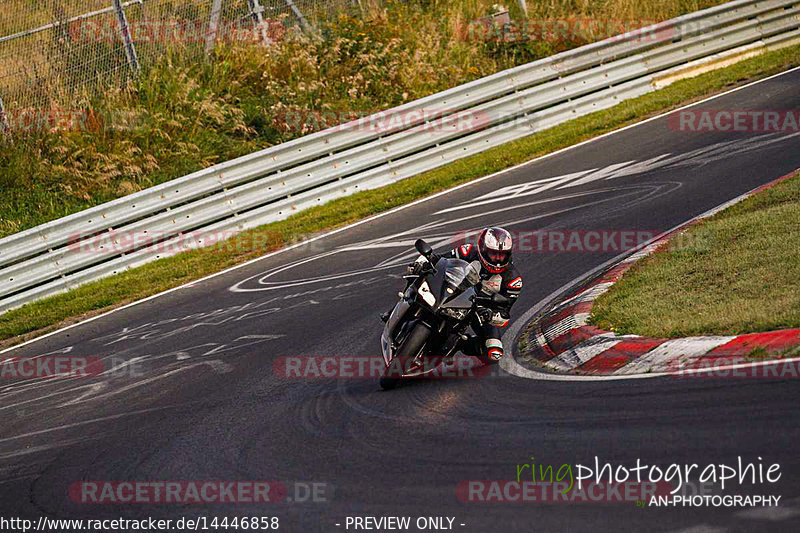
x=494 y=249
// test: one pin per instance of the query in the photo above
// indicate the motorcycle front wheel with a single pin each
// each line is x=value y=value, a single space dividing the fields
x=403 y=364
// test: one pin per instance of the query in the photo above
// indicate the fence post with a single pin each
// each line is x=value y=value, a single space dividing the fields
x=256 y=11
x=3 y=121
x=211 y=36
x=125 y=33
x=523 y=5
x=298 y=14
x=60 y=30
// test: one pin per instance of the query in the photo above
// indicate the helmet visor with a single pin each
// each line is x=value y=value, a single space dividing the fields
x=497 y=257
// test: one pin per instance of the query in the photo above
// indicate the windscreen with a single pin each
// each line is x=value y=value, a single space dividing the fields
x=456 y=272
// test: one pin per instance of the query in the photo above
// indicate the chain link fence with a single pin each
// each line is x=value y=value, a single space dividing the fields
x=53 y=52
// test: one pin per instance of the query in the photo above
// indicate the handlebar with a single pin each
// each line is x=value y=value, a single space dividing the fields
x=430 y=265
x=496 y=298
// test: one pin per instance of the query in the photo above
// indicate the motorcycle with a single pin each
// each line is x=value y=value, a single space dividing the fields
x=432 y=315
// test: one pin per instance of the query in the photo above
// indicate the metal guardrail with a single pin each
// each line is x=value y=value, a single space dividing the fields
x=272 y=184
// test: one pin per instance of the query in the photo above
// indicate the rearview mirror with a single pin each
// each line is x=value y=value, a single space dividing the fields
x=423 y=248
x=474 y=273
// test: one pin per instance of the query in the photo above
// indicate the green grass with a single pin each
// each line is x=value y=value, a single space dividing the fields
x=53 y=312
x=740 y=273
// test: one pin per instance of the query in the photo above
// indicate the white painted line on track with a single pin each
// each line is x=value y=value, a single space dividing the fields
x=400 y=208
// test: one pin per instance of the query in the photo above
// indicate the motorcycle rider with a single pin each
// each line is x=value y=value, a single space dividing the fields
x=493 y=252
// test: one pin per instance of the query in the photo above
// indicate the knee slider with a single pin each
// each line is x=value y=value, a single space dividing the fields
x=494 y=349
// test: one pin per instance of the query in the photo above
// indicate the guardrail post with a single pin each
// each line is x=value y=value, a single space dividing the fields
x=125 y=33
x=211 y=36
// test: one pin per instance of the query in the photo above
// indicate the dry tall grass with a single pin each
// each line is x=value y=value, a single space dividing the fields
x=181 y=115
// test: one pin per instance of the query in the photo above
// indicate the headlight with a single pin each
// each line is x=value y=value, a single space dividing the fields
x=458 y=314
x=427 y=295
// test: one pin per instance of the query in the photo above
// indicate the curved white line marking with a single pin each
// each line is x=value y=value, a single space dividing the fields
x=399 y=259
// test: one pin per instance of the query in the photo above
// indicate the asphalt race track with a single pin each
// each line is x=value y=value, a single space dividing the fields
x=192 y=393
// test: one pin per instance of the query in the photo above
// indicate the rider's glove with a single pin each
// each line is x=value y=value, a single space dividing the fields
x=485 y=315
x=416 y=268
